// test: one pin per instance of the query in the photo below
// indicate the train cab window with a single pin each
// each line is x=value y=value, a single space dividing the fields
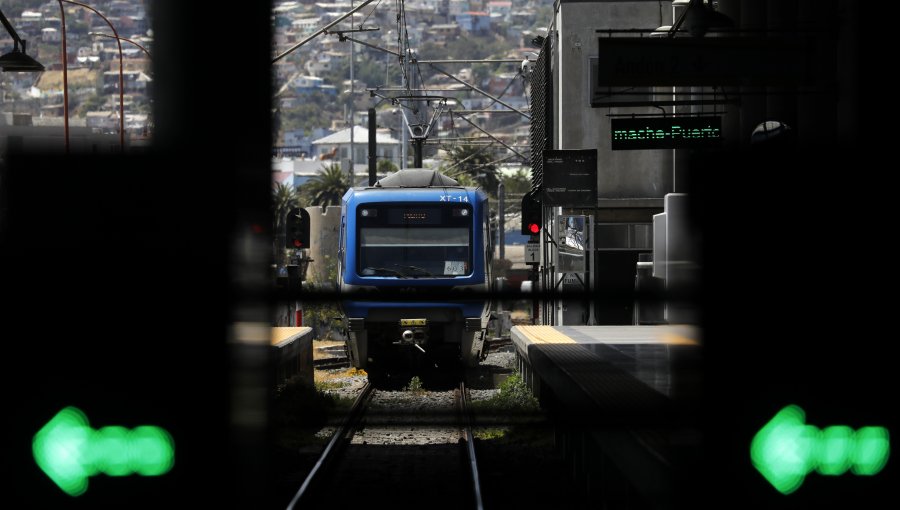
x=414 y=242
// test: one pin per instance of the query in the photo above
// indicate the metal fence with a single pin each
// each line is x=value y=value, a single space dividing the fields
x=541 y=114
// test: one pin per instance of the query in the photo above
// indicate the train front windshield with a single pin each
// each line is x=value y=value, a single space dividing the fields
x=414 y=241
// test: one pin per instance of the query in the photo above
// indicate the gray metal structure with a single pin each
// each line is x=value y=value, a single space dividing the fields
x=630 y=184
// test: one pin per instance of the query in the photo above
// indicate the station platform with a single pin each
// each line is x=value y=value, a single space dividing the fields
x=626 y=400
x=292 y=353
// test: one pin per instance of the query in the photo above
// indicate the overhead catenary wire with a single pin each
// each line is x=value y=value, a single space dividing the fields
x=505 y=90
x=470 y=156
x=370 y=14
x=482 y=92
x=403 y=42
x=482 y=165
x=321 y=31
x=492 y=137
x=413 y=77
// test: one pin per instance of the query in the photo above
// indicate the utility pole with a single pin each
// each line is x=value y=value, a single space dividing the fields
x=417 y=152
x=352 y=101
x=372 y=148
x=404 y=129
x=501 y=221
x=417 y=132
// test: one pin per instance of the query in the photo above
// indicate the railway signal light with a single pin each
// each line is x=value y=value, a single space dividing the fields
x=532 y=215
x=297 y=228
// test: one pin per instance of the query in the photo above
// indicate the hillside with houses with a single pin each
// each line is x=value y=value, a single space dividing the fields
x=91 y=65
x=319 y=113
x=314 y=95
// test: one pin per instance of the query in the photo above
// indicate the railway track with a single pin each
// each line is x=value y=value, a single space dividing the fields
x=335 y=362
x=332 y=363
x=499 y=343
x=398 y=449
x=465 y=403
x=334 y=447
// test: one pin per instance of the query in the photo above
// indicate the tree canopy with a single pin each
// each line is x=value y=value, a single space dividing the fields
x=326 y=188
x=472 y=164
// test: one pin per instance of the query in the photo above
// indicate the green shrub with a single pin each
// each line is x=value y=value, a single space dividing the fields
x=415 y=385
x=514 y=396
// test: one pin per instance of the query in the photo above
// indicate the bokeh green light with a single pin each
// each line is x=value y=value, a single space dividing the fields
x=873 y=446
x=786 y=449
x=69 y=451
x=835 y=446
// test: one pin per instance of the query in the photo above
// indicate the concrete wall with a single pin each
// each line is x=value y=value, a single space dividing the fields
x=621 y=174
x=630 y=184
x=51 y=139
x=291 y=354
x=324 y=231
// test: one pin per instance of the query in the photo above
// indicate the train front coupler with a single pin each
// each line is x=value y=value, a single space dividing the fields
x=413 y=333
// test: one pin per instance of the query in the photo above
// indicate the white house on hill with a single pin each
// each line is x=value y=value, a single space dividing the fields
x=337 y=146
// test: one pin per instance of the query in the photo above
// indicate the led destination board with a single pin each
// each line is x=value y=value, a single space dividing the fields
x=666 y=133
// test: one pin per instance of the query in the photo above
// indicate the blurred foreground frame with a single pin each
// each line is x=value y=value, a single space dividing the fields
x=131 y=269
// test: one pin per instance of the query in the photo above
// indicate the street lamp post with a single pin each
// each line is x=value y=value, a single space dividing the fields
x=64 y=58
x=135 y=43
x=110 y=36
x=66 y=67
x=16 y=60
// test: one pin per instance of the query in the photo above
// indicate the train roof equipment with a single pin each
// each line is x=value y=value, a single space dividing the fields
x=416 y=178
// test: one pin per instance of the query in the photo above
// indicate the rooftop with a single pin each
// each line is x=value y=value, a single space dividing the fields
x=360 y=135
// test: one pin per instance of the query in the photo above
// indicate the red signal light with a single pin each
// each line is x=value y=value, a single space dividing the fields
x=296 y=228
x=532 y=214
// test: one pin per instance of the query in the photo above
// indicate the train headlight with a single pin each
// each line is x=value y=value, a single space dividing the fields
x=369 y=213
x=461 y=212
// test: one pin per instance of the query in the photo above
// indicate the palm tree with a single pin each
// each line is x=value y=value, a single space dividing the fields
x=284 y=198
x=476 y=163
x=327 y=187
x=385 y=167
x=515 y=186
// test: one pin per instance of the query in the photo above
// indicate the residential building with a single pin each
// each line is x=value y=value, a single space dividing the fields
x=455 y=7
x=135 y=81
x=442 y=32
x=308 y=84
x=474 y=21
x=499 y=11
x=337 y=146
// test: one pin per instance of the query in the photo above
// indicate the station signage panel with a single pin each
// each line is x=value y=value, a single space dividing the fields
x=722 y=61
x=532 y=252
x=570 y=178
x=666 y=133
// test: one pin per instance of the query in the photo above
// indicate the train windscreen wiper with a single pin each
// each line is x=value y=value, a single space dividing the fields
x=422 y=270
x=383 y=270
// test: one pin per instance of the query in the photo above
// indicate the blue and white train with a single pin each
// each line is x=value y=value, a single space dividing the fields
x=420 y=235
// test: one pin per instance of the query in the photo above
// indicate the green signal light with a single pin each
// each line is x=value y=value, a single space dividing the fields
x=69 y=451
x=786 y=449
